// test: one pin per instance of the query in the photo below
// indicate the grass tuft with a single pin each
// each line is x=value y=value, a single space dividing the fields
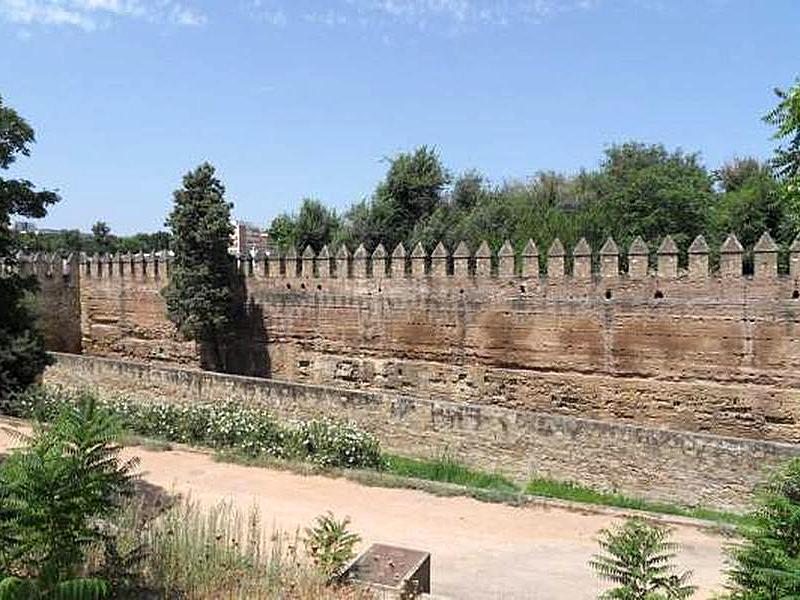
x=576 y=493
x=448 y=470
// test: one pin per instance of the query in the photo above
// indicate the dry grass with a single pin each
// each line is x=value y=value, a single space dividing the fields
x=197 y=553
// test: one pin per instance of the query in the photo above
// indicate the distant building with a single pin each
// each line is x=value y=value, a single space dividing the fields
x=24 y=227
x=248 y=238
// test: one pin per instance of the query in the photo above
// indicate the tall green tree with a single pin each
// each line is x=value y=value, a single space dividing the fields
x=647 y=191
x=200 y=292
x=785 y=117
x=750 y=204
x=314 y=225
x=22 y=354
x=411 y=191
x=101 y=235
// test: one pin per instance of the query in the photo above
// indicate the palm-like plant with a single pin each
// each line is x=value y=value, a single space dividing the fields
x=57 y=490
x=637 y=557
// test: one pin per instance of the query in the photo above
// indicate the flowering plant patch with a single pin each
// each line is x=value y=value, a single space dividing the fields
x=225 y=424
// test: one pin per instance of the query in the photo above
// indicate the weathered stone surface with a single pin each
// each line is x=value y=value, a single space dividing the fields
x=653 y=462
x=705 y=354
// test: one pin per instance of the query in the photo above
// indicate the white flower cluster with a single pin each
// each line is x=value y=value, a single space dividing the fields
x=226 y=424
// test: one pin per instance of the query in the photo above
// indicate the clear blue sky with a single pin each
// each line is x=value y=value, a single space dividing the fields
x=294 y=98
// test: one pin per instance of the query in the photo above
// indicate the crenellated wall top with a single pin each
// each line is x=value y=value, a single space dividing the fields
x=459 y=262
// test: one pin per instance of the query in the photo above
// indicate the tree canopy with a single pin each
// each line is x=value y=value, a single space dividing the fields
x=22 y=355
x=199 y=295
x=638 y=190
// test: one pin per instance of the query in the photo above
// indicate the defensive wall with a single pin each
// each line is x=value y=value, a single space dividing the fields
x=656 y=344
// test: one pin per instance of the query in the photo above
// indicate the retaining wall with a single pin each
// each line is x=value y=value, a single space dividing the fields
x=655 y=463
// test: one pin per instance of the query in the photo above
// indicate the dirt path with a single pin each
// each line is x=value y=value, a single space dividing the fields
x=479 y=550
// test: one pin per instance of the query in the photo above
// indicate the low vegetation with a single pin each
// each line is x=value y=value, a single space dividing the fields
x=447 y=469
x=73 y=527
x=330 y=544
x=252 y=435
x=55 y=494
x=549 y=488
x=224 y=425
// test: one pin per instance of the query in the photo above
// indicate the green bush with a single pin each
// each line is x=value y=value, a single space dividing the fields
x=637 y=557
x=766 y=564
x=55 y=493
x=226 y=424
x=330 y=544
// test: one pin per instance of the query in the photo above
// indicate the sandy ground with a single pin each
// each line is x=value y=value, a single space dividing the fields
x=479 y=550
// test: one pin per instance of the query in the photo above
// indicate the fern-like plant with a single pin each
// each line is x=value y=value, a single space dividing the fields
x=82 y=588
x=637 y=557
x=329 y=543
x=57 y=490
x=766 y=564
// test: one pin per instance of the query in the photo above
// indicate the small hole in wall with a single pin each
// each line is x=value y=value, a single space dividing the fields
x=319 y=286
x=460 y=291
x=288 y=286
x=522 y=289
x=379 y=289
x=608 y=294
x=795 y=294
x=658 y=295
x=302 y=286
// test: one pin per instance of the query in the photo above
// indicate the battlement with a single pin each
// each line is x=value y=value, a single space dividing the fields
x=583 y=264
x=46 y=266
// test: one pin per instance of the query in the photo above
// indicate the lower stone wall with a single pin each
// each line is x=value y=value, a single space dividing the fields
x=760 y=412
x=657 y=464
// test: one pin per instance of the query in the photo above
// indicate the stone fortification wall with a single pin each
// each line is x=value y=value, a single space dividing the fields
x=58 y=307
x=658 y=464
x=653 y=344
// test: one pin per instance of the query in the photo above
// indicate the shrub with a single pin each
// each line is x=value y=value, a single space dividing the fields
x=56 y=490
x=227 y=424
x=637 y=557
x=766 y=564
x=329 y=543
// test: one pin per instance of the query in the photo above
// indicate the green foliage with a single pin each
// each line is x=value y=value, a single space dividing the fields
x=84 y=588
x=766 y=565
x=646 y=190
x=101 y=233
x=228 y=424
x=566 y=490
x=785 y=117
x=314 y=225
x=447 y=469
x=57 y=489
x=330 y=544
x=751 y=203
x=22 y=356
x=637 y=557
x=72 y=241
x=199 y=295
x=639 y=189
x=412 y=189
